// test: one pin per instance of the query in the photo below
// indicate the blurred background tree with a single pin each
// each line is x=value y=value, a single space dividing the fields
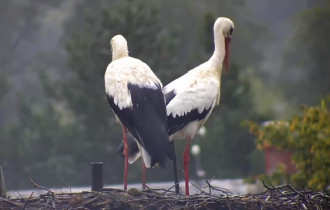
x=3 y=86
x=307 y=55
x=55 y=119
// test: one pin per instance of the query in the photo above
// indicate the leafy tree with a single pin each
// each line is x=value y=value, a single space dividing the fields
x=306 y=60
x=41 y=146
x=308 y=136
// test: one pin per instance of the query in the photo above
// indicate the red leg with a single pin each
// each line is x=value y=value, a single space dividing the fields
x=143 y=175
x=126 y=157
x=186 y=159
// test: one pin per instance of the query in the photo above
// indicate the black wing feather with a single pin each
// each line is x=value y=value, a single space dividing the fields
x=146 y=121
x=178 y=122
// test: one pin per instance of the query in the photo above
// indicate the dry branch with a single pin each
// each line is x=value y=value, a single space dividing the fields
x=281 y=197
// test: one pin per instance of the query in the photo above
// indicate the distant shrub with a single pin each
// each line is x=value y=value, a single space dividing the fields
x=308 y=136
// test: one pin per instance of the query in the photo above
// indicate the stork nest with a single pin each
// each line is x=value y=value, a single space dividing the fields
x=281 y=197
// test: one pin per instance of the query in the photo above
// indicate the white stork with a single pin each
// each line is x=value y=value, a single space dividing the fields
x=191 y=98
x=135 y=95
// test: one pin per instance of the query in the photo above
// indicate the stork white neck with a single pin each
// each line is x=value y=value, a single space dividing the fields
x=119 y=47
x=219 y=46
x=222 y=27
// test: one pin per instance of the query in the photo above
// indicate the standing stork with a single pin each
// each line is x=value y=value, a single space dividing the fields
x=191 y=98
x=135 y=95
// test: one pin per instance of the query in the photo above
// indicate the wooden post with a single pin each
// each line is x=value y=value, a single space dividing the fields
x=2 y=184
x=97 y=176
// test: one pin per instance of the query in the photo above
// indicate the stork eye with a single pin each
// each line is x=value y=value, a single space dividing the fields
x=231 y=30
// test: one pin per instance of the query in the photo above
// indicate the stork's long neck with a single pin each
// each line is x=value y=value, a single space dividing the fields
x=219 y=53
x=218 y=57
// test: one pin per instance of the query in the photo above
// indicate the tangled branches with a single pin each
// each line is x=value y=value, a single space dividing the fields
x=281 y=197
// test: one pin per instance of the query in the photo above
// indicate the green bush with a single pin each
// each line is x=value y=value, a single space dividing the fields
x=308 y=136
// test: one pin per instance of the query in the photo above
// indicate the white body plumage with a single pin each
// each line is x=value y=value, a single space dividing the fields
x=127 y=70
x=198 y=90
x=192 y=97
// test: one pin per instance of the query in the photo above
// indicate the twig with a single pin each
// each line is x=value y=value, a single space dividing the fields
x=198 y=188
x=11 y=202
x=165 y=190
x=157 y=201
x=292 y=188
x=210 y=187
x=279 y=191
x=53 y=202
x=222 y=190
x=41 y=187
x=264 y=184
x=102 y=204
x=27 y=200
x=91 y=200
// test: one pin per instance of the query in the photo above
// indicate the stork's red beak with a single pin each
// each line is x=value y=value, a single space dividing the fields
x=227 y=52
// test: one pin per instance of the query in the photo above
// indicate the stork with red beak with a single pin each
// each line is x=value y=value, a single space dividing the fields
x=191 y=98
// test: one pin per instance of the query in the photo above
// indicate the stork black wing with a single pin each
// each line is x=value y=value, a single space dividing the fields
x=146 y=120
x=178 y=122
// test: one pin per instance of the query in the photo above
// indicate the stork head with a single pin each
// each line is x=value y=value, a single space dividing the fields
x=224 y=27
x=118 y=47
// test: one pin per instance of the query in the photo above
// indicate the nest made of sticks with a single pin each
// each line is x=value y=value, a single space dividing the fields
x=281 y=197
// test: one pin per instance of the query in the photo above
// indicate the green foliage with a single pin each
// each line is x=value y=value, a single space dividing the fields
x=28 y=139
x=308 y=135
